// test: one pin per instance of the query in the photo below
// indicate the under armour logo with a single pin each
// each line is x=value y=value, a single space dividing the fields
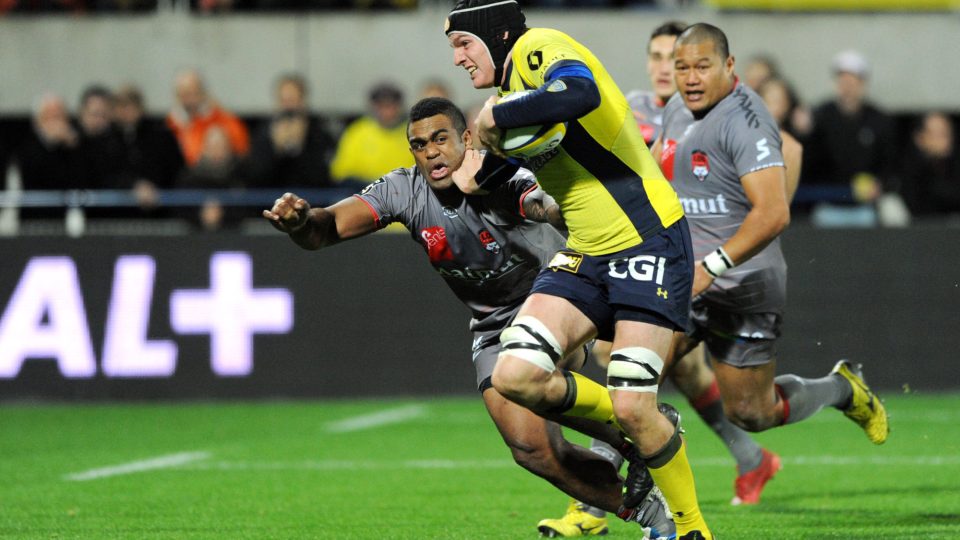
x=661 y=292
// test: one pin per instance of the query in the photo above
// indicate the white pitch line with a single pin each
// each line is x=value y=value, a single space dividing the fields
x=350 y=465
x=828 y=461
x=377 y=419
x=159 y=462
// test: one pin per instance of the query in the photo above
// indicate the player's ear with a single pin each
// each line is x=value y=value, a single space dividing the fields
x=467 y=138
x=731 y=62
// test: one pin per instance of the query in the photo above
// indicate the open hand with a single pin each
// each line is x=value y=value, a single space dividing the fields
x=488 y=134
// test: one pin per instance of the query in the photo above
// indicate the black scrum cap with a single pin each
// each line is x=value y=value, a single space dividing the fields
x=488 y=20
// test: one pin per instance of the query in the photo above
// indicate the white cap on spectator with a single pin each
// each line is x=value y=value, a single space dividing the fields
x=851 y=61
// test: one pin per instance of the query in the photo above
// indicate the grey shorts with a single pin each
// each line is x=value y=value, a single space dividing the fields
x=486 y=349
x=736 y=339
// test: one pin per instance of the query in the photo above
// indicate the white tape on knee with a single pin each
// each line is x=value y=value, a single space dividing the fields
x=634 y=369
x=529 y=339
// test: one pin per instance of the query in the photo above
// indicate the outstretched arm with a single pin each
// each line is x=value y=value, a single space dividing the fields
x=792 y=158
x=314 y=228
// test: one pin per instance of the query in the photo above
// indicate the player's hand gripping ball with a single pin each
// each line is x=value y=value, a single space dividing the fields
x=529 y=141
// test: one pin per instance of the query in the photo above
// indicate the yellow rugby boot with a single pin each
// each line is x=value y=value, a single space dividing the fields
x=865 y=407
x=576 y=522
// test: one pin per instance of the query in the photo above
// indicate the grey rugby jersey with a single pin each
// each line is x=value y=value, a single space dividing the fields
x=648 y=104
x=481 y=245
x=705 y=160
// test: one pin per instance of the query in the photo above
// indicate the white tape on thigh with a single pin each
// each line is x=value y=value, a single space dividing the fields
x=634 y=369
x=528 y=339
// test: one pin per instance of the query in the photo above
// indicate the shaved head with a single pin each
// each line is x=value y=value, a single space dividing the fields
x=190 y=91
x=702 y=33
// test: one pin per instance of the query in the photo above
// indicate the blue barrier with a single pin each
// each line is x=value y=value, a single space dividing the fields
x=172 y=198
x=265 y=197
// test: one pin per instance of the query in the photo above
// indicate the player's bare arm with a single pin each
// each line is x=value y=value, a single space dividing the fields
x=315 y=228
x=539 y=206
x=769 y=216
x=657 y=149
x=793 y=157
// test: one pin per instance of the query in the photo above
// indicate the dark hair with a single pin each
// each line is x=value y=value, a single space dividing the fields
x=386 y=92
x=95 y=91
x=669 y=28
x=296 y=80
x=701 y=32
x=793 y=101
x=129 y=94
x=432 y=106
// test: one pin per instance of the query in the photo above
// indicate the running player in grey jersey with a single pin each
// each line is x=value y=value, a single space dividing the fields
x=726 y=164
x=488 y=249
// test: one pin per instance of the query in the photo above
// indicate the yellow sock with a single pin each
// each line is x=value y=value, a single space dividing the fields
x=673 y=476
x=591 y=400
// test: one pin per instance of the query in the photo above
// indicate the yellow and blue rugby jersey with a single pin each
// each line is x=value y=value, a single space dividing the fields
x=609 y=187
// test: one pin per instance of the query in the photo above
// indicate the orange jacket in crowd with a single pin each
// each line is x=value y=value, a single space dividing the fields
x=190 y=131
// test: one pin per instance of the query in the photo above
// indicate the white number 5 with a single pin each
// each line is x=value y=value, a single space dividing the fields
x=762 y=149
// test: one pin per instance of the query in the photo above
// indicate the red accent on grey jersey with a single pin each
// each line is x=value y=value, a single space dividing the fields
x=737 y=137
x=647 y=104
x=484 y=249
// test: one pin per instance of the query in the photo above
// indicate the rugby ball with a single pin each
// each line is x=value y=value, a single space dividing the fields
x=529 y=141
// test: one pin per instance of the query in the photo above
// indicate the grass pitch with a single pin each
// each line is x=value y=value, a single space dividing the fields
x=415 y=469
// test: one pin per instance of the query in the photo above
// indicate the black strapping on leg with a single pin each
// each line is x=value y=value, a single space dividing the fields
x=663 y=456
x=570 y=398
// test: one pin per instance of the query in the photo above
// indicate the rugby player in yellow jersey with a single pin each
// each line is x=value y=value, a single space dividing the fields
x=690 y=374
x=626 y=274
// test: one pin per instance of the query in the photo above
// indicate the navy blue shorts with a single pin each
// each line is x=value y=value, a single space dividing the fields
x=649 y=283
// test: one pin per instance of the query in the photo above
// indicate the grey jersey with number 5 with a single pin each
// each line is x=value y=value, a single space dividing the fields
x=705 y=160
x=484 y=248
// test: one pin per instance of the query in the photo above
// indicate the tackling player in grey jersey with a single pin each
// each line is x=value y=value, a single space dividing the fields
x=488 y=249
x=727 y=167
x=483 y=247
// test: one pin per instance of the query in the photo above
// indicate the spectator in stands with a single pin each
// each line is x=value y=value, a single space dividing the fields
x=931 y=171
x=218 y=167
x=43 y=6
x=374 y=145
x=151 y=155
x=758 y=70
x=294 y=148
x=781 y=99
x=196 y=112
x=851 y=144
x=48 y=157
x=100 y=148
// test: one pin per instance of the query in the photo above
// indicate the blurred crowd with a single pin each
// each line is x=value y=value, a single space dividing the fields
x=876 y=169
x=110 y=143
x=245 y=6
x=861 y=166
